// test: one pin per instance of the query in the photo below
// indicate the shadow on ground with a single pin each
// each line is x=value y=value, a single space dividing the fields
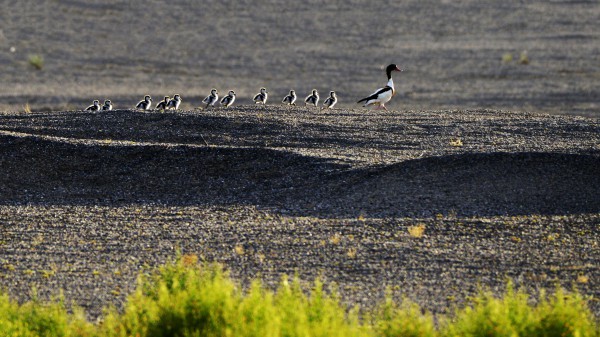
x=37 y=170
x=480 y=184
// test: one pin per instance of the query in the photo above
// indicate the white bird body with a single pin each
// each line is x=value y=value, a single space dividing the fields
x=382 y=95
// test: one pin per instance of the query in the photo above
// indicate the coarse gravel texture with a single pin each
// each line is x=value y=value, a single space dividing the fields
x=88 y=200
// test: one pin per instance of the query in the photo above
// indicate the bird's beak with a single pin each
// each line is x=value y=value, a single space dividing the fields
x=398 y=69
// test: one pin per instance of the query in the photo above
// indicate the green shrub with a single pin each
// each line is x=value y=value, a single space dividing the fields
x=406 y=320
x=41 y=319
x=559 y=315
x=185 y=298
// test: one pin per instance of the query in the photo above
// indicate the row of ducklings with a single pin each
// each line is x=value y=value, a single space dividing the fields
x=210 y=100
x=145 y=104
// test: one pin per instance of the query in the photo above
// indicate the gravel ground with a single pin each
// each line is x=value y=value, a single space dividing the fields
x=89 y=200
x=452 y=52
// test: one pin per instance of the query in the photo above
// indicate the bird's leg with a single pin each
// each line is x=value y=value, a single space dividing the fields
x=381 y=106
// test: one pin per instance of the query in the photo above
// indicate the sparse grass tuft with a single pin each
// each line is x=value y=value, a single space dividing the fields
x=36 y=61
x=456 y=142
x=335 y=239
x=27 y=108
x=524 y=58
x=351 y=253
x=417 y=231
x=239 y=250
x=507 y=58
x=189 y=259
x=581 y=278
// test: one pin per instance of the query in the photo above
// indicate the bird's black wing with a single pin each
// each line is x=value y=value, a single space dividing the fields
x=376 y=94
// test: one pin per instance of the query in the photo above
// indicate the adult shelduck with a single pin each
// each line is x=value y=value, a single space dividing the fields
x=94 y=107
x=174 y=103
x=290 y=99
x=162 y=105
x=383 y=95
x=212 y=98
x=146 y=104
x=313 y=98
x=229 y=99
x=261 y=97
x=331 y=101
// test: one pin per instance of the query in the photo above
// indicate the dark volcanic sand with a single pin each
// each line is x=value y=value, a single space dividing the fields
x=88 y=200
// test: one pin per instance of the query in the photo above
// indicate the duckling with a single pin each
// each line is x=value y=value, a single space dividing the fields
x=212 y=98
x=313 y=98
x=145 y=104
x=261 y=97
x=107 y=105
x=162 y=105
x=229 y=99
x=290 y=99
x=331 y=101
x=174 y=103
x=94 y=107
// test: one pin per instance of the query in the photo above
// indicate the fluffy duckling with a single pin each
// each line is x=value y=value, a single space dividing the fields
x=261 y=97
x=174 y=103
x=229 y=99
x=162 y=105
x=146 y=104
x=212 y=98
x=290 y=99
x=313 y=98
x=331 y=101
x=94 y=107
x=107 y=105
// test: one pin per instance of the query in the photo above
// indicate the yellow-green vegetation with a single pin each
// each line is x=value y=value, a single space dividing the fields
x=523 y=58
x=417 y=231
x=187 y=298
x=36 y=61
x=42 y=319
x=507 y=57
x=561 y=314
